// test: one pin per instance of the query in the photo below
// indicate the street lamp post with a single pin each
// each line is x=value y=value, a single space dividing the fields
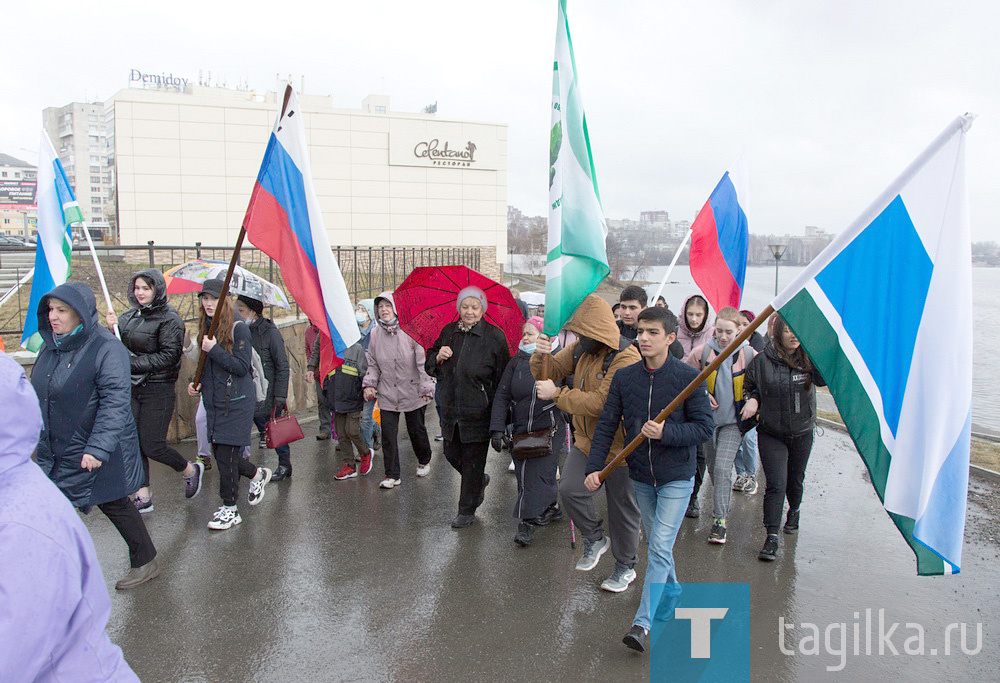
x=777 y=250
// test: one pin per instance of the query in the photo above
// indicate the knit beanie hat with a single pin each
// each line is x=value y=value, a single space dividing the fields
x=474 y=292
x=254 y=305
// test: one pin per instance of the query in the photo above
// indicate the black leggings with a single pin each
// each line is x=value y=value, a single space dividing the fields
x=784 y=461
x=232 y=465
x=153 y=406
x=128 y=521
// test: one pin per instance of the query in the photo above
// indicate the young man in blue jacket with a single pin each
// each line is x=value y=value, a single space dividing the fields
x=662 y=468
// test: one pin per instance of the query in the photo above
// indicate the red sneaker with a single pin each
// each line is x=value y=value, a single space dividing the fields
x=366 y=462
x=346 y=472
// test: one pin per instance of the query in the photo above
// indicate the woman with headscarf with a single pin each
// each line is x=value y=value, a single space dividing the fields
x=468 y=359
x=153 y=333
x=89 y=447
x=396 y=377
x=515 y=403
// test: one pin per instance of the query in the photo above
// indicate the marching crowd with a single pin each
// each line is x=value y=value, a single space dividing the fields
x=98 y=408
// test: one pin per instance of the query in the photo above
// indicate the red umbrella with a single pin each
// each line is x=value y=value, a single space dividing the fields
x=426 y=302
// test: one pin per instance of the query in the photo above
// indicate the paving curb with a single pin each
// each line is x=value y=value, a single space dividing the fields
x=981 y=472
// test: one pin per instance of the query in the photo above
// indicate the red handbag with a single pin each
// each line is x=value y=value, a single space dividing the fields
x=283 y=430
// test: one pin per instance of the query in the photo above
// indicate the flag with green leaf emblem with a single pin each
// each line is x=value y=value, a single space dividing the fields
x=577 y=258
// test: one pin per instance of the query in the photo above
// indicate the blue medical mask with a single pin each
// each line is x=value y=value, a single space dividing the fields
x=528 y=348
x=362 y=318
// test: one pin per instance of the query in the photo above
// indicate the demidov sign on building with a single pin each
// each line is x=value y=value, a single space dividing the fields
x=157 y=80
x=442 y=144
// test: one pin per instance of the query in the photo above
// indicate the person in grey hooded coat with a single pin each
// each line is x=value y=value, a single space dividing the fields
x=89 y=447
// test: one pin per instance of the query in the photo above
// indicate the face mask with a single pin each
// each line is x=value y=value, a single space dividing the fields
x=362 y=318
x=528 y=348
x=590 y=345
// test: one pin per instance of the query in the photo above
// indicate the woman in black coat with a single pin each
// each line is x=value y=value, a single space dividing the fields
x=468 y=359
x=270 y=346
x=89 y=447
x=515 y=403
x=230 y=401
x=781 y=385
x=154 y=335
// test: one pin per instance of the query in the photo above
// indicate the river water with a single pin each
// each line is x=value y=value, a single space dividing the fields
x=759 y=290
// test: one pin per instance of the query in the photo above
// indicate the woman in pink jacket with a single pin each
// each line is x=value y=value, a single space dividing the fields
x=397 y=378
x=694 y=325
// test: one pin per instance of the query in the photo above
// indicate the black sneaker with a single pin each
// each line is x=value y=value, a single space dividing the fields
x=636 y=638
x=770 y=549
x=693 y=511
x=791 y=522
x=261 y=441
x=552 y=514
x=718 y=532
x=525 y=534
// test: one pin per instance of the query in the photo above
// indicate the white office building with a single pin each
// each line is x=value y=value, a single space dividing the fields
x=184 y=160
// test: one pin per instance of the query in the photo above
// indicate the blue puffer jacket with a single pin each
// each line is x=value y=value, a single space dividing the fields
x=84 y=388
x=637 y=395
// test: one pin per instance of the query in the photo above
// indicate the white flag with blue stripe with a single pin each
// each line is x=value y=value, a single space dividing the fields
x=57 y=211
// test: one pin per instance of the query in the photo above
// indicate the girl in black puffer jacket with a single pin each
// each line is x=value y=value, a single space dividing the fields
x=154 y=336
x=781 y=385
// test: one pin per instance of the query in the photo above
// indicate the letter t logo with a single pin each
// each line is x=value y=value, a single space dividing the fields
x=701 y=627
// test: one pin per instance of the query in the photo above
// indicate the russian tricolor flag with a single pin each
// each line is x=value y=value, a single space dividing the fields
x=284 y=221
x=719 y=240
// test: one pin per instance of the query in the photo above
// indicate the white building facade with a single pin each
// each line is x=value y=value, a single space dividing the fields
x=184 y=165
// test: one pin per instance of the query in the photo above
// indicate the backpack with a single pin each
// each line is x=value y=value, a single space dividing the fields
x=260 y=383
x=257 y=372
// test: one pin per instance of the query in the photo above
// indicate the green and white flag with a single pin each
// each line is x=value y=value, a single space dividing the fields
x=577 y=259
x=57 y=211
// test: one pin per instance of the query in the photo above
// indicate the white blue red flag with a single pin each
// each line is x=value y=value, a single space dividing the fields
x=720 y=237
x=284 y=221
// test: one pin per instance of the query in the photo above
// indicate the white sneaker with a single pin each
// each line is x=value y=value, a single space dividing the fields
x=256 y=492
x=388 y=483
x=225 y=517
x=423 y=470
x=510 y=467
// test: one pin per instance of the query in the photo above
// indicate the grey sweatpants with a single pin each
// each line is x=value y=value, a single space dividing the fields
x=624 y=517
x=720 y=453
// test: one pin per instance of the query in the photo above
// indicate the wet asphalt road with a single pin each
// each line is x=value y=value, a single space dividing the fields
x=340 y=581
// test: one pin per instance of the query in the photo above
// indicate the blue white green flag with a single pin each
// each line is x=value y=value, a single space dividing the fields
x=577 y=258
x=868 y=311
x=57 y=211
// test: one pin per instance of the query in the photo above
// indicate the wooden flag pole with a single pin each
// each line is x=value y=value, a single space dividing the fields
x=202 y=357
x=689 y=389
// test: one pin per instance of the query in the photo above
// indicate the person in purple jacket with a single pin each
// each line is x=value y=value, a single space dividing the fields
x=55 y=601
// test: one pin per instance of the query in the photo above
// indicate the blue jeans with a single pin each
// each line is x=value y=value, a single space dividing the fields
x=368 y=422
x=662 y=513
x=746 y=457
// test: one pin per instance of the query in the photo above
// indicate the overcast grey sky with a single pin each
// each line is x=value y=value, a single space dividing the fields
x=830 y=99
